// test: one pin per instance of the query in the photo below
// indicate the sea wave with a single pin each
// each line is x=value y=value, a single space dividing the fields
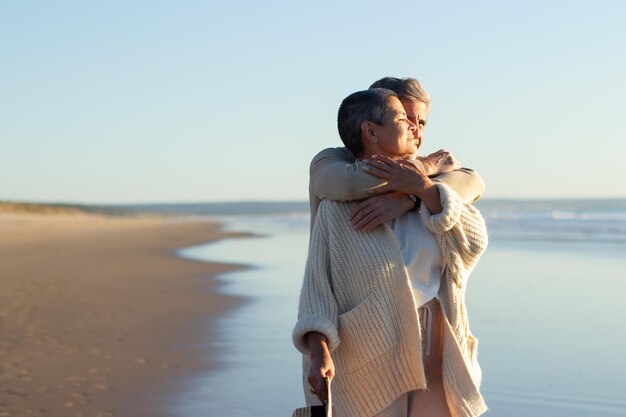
x=556 y=220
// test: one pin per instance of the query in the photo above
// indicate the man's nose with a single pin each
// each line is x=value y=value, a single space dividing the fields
x=418 y=132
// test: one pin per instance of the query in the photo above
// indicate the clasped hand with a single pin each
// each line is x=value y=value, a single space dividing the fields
x=401 y=175
x=390 y=201
x=439 y=162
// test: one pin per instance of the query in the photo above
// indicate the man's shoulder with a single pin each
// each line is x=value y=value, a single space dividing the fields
x=339 y=153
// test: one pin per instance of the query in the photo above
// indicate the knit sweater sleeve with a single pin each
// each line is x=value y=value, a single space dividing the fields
x=465 y=181
x=335 y=174
x=317 y=311
x=460 y=229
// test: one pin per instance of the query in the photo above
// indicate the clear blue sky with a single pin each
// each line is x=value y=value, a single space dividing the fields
x=160 y=101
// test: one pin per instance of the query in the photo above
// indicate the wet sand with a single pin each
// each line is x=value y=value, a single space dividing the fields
x=99 y=317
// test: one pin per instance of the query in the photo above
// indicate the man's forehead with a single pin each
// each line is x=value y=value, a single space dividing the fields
x=415 y=108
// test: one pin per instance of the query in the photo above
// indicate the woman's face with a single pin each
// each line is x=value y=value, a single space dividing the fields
x=396 y=138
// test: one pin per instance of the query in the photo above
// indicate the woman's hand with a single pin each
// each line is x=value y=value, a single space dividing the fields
x=322 y=365
x=401 y=175
x=405 y=177
x=379 y=209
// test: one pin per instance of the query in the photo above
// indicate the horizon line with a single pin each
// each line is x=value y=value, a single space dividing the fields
x=257 y=201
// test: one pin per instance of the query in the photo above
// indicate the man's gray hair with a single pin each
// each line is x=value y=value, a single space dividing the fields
x=405 y=88
x=363 y=106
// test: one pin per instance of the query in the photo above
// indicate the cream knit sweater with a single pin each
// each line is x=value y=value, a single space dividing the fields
x=357 y=293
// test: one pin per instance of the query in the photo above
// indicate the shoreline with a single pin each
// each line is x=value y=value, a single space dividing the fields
x=101 y=316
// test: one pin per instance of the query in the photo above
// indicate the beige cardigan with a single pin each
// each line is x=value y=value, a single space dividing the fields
x=357 y=293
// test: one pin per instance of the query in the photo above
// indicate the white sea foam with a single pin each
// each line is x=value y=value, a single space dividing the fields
x=556 y=220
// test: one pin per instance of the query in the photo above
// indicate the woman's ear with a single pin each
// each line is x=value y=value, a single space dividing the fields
x=369 y=132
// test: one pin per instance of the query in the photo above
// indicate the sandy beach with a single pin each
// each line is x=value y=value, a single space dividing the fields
x=98 y=316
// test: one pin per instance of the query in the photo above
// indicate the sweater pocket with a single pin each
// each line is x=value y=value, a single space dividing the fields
x=366 y=332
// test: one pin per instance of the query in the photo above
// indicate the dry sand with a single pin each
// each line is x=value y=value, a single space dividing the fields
x=98 y=317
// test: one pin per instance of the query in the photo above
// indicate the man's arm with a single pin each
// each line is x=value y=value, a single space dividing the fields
x=466 y=182
x=335 y=174
x=444 y=168
x=382 y=208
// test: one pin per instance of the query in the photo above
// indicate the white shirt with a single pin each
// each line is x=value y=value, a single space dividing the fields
x=421 y=255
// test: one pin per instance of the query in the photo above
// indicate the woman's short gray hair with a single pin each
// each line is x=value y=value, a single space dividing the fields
x=405 y=88
x=363 y=106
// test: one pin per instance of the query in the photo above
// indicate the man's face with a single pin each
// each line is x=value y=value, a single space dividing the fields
x=396 y=137
x=417 y=112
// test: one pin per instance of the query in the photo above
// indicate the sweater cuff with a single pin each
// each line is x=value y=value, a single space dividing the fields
x=317 y=324
x=452 y=205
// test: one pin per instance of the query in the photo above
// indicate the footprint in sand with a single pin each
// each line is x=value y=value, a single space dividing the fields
x=44 y=390
x=75 y=403
x=75 y=381
x=79 y=395
x=16 y=393
x=23 y=375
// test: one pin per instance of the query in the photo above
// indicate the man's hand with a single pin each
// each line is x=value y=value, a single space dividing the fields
x=379 y=209
x=439 y=162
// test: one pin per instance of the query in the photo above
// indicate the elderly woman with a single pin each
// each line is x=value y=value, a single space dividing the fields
x=383 y=311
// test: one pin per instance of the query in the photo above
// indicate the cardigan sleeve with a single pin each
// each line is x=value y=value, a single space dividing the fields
x=460 y=229
x=337 y=175
x=465 y=181
x=317 y=311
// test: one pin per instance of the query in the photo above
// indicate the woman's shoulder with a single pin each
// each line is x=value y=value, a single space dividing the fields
x=335 y=215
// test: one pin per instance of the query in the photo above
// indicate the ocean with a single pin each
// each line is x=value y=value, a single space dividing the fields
x=546 y=302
